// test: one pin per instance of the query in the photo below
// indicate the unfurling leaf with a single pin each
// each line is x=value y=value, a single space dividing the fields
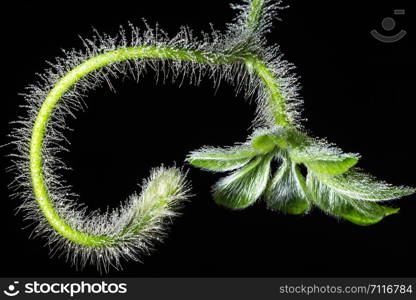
x=287 y=191
x=264 y=143
x=324 y=159
x=222 y=159
x=245 y=186
x=357 y=185
x=359 y=212
x=283 y=137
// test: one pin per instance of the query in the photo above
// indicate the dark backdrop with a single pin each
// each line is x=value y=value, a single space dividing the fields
x=358 y=92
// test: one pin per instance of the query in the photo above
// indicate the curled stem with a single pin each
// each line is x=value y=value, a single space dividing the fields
x=106 y=238
x=70 y=79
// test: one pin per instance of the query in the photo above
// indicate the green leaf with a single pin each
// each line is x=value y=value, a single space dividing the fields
x=357 y=185
x=222 y=159
x=359 y=212
x=334 y=167
x=324 y=159
x=242 y=188
x=283 y=137
x=287 y=190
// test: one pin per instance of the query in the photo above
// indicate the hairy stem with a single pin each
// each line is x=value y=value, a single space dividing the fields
x=276 y=101
x=266 y=75
x=255 y=14
x=142 y=52
x=70 y=79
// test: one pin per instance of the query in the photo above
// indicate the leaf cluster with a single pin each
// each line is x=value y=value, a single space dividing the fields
x=331 y=183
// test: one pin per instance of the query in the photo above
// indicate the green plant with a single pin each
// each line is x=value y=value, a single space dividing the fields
x=242 y=57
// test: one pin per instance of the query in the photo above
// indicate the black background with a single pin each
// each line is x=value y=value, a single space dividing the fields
x=358 y=92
